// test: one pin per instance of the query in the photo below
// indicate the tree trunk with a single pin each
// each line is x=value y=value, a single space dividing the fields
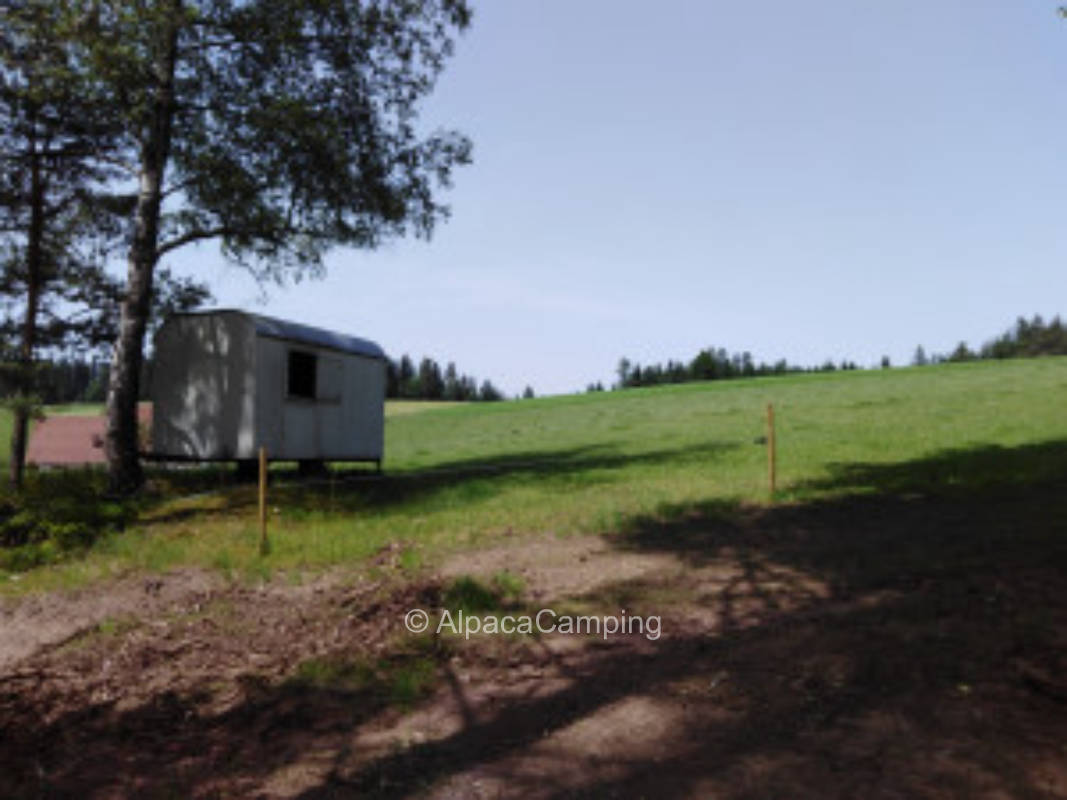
x=19 y=437
x=121 y=446
x=34 y=279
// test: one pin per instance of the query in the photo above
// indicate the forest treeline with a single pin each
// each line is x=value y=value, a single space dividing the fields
x=68 y=380
x=79 y=379
x=1027 y=339
x=710 y=364
x=429 y=382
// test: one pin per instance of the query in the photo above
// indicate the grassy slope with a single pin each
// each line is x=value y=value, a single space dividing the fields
x=75 y=410
x=401 y=408
x=592 y=463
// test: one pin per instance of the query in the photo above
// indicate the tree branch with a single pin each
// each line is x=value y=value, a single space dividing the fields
x=195 y=235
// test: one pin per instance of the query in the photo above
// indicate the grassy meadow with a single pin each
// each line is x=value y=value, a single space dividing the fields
x=459 y=476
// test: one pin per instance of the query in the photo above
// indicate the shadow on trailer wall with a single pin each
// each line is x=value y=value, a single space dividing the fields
x=229 y=382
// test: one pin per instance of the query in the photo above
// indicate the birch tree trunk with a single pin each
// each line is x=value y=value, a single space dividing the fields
x=121 y=445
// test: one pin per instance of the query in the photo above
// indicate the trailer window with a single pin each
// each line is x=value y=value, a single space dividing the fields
x=302 y=369
x=329 y=380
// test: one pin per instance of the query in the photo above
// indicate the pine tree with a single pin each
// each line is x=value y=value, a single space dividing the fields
x=451 y=378
x=489 y=393
x=407 y=385
x=431 y=386
x=55 y=218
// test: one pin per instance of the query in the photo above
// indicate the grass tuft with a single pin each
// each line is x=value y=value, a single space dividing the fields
x=470 y=596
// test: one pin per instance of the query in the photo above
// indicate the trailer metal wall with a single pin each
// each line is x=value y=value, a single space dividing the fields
x=203 y=388
x=350 y=427
x=221 y=384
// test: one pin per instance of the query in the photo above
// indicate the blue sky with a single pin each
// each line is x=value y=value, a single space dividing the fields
x=826 y=179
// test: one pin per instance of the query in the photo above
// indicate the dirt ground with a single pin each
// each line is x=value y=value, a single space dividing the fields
x=889 y=647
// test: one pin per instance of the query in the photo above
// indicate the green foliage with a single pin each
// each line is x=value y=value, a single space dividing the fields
x=109 y=626
x=60 y=143
x=428 y=383
x=60 y=381
x=334 y=673
x=290 y=127
x=31 y=405
x=488 y=393
x=60 y=216
x=1029 y=338
x=6 y=423
x=961 y=353
x=401 y=679
x=470 y=596
x=55 y=515
x=508 y=584
x=279 y=128
x=410 y=681
x=431 y=384
x=709 y=364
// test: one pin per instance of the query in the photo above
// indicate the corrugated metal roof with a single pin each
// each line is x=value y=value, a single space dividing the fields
x=297 y=332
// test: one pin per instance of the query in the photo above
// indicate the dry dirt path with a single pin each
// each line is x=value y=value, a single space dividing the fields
x=855 y=649
x=30 y=625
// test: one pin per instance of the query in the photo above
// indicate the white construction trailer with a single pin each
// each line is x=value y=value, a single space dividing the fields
x=228 y=382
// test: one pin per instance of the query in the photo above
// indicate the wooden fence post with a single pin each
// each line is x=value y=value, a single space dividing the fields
x=771 y=454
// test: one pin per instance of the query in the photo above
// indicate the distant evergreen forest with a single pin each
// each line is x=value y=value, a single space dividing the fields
x=429 y=382
x=81 y=379
x=1029 y=338
x=75 y=379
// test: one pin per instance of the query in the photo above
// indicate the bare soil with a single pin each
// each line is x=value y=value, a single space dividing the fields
x=867 y=647
x=43 y=622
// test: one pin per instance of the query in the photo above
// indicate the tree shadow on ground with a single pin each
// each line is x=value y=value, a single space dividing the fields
x=168 y=747
x=565 y=468
x=985 y=508
x=903 y=638
x=892 y=643
x=351 y=491
x=957 y=471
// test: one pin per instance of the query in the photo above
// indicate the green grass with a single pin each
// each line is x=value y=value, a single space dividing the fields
x=6 y=424
x=401 y=408
x=459 y=476
x=400 y=679
x=470 y=596
x=75 y=410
